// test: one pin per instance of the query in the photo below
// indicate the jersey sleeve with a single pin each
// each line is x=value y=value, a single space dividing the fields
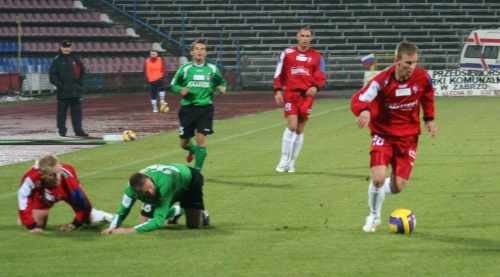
x=126 y=205
x=159 y=216
x=279 y=75
x=361 y=100
x=428 y=99
x=319 y=74
x=77 y=199
x=177 y=80
x=25 y=200
x=219 y=80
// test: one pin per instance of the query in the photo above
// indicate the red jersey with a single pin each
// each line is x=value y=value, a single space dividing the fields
x=395 y=106
x=298 y=71
x=34 y=194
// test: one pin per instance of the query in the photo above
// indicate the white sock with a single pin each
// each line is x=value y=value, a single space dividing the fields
x=96 y=216
x=288 y=139
x=376 y=197
x=162 y=97
x=297 y=145
x=387 y=185
x=153 y=103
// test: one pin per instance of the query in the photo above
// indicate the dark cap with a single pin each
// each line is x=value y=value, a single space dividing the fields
x=65 y=43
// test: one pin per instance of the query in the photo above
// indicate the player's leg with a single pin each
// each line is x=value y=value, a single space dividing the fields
x=304 y=105
x=296 y=146
x=154 y=95
x=201 y=151
x=186 y=131
x=62 y=109
x=381 y=154
x=146 y=214
x=100 y=216
x=41 y=217
x=204 y=127
x=405 y=155
x=192 y=202
x=161 y=88
x=174 y=213
x=287 y=142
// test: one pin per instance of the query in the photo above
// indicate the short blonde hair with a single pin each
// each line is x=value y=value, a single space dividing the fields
x=405 y=48
x=47 y=161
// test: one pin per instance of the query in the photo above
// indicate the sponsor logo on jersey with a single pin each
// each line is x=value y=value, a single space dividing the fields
x=299 y=70
x=198 y=77
x=301 y=58
x=403 y=92
x=198 y=84
x=402 y=106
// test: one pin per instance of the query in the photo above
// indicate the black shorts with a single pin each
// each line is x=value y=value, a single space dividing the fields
x=199 y=118
x=191 y=199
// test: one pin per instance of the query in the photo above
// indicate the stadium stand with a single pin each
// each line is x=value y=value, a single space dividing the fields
x=46 y=22
x=344 y=31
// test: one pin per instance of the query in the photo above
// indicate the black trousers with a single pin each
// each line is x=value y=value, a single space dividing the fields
x=75 y=105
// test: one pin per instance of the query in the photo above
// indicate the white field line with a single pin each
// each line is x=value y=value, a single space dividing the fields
x=3 y=196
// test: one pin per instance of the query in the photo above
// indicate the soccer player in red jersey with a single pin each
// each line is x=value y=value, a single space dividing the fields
x=390 y=105
x=300 y=74
x=48 y=182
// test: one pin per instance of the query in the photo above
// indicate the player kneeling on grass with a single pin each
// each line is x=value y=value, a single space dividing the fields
x=158 y=187
x=48 y=182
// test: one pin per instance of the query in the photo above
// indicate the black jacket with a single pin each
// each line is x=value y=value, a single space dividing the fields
x=63 y=75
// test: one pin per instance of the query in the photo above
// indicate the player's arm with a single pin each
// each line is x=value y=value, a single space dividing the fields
x=177 y=82
x=77 y=199
x=427 y=101
x=360 y=103
x=279 y=80
x=319 y=78
x=159 y=216
x=279 y=74
x=219 y=81
x=126 y=205
x=24 y=196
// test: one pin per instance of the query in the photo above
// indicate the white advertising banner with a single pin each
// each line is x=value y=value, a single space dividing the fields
x=463 y=82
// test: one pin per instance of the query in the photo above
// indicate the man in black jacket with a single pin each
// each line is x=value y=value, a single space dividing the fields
x=67 y=73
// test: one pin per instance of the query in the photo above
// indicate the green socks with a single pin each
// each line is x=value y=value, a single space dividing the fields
x=199 y=157
x=191 y=147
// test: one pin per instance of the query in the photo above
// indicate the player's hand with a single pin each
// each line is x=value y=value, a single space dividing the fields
x=184 y=91
x=67 y=227
x=119 y=231
x=278 y=97
x=222 y=89
x=36 y=230
x=108 y=231
x=311 y=91
x=432 y=128
x=364 y=119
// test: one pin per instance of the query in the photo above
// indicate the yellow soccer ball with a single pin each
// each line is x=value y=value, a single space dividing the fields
x=129 y=136
x=402 y=221
x=164 y=108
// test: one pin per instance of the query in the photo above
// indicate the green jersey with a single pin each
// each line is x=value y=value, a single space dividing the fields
x=201 y=81
x=170 y=180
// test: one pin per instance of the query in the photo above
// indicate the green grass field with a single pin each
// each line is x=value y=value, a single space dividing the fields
x=267 y=224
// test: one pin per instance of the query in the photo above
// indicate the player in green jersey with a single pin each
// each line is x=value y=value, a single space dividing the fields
x=160 y=186
x=196 y=81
